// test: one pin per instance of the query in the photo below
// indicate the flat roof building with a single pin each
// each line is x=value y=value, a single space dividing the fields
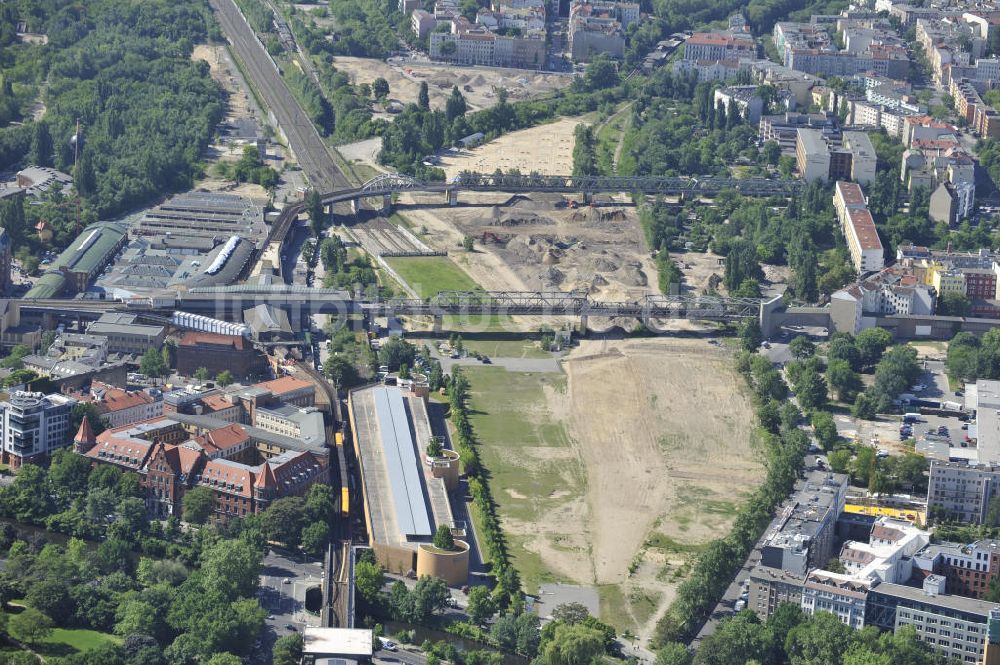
x=953 y=626
x=125 y=334
x=812 y=156
x=205 y=215
x=803 y=537
x=331 y=646
x=405 y=497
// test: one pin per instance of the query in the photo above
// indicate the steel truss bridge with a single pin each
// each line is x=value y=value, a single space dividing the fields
x=230 y=302
x=573 y=303
x=388 y=184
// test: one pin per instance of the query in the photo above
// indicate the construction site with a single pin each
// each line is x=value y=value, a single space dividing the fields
x=542 y=242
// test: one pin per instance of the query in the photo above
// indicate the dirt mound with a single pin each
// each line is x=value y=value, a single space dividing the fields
x=553 y=277
x=601 y=264
x=552 y=256
x=478 y=80
x=632 y=275
x=596 y=283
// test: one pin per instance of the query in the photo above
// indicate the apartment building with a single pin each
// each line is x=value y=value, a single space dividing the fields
x=962 y=492
x=746 y=98
x=479 y=46
x=720 y=46
x=770 y=587
x=32 y=425
x=967 y=568
x=422 y=22
x=953 y=626
x=812 y=155
x=862 y=156
x=981 y=117
x=842 y=595
x=858 y=227
x=590 y=36
x=805 y=535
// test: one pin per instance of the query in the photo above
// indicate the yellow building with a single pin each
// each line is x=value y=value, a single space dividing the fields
x=943 y=279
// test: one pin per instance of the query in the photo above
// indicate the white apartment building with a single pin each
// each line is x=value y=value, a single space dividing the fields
x=837 y=593
x=812 y=155
x=32 y=425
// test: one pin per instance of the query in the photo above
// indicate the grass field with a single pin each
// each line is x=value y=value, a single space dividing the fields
x=528 y=455
x=506 y=348
x=66 y=641
x=429 y=274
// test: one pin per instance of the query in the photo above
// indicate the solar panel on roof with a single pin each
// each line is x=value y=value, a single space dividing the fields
x=402 y=464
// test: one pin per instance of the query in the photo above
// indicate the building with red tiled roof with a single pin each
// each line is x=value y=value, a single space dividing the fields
x=719 y=46
x=123 y=407
x=290 y=390
x=230 y=442
x=223 y=459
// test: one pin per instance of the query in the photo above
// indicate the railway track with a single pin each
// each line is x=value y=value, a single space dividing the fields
x=303 y=139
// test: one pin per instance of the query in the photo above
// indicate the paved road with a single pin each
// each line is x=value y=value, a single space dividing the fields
x=285 y=603
x=510 y=364
x=303 y=139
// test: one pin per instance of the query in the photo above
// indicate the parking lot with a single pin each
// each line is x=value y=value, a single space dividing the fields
x=884 y=431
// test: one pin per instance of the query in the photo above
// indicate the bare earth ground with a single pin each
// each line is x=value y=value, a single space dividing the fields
x=662 y=473
x=241 y=105
x=531 y=244
x=699 y=267
x=404 y=81
x=546 y=149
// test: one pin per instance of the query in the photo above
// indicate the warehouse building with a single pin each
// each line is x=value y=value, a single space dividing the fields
x=405 y=496
x=81 y=262
x=205 y=215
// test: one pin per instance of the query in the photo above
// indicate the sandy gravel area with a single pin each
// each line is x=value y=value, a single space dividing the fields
x=657 y=462
x=404 y=80
x=546 y=149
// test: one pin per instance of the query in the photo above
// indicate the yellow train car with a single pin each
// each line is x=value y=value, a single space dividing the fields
x=345 y=498
x=339 y=438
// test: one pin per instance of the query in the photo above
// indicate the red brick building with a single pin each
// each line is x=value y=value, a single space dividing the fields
x=225 y=460
x=217 y=353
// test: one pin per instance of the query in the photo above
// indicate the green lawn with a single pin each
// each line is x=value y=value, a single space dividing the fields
x=507 y=348
x=66 y=641
x=532 y=469
x=429 y=274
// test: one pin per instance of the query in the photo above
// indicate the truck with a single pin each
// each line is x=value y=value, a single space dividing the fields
x=911 y=417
